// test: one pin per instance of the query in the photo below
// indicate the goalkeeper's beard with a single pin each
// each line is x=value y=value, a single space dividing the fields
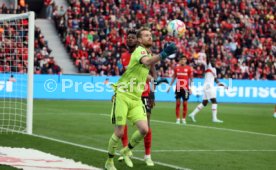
x=147 y=45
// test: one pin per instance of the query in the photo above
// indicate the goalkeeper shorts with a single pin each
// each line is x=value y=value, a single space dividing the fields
x=125 y=108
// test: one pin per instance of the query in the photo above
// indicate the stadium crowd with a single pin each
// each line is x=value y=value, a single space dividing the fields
x=14 y=45
x=240 y=34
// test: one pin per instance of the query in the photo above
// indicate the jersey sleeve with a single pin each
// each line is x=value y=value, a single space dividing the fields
x=209 y=66
x=125 y=59
x=215 y=72
x=139 y=54
x=175 y=72
x=191 y=72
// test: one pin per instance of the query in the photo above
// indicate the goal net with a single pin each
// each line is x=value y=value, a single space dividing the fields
x=16 y=72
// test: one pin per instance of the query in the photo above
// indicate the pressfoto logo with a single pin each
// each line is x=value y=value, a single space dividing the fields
x=6 y=86
x=66 y=85
x=69 y=85
x=197 y=88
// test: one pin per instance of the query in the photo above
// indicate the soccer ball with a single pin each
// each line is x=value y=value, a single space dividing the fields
x=176 y=28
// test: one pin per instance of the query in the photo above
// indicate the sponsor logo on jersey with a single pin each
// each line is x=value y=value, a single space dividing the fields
x=143 y=52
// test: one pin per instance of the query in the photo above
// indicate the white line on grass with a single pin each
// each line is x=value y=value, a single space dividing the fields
x=216 y=128
x=208 y=150
x=209 y=127
x=105 y=151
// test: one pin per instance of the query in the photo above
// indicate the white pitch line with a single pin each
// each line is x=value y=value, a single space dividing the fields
x=208 y=150
x=105 y=151
x=216 y=128
x=209 y=127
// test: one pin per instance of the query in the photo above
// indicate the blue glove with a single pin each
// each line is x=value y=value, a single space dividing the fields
x=169 y=48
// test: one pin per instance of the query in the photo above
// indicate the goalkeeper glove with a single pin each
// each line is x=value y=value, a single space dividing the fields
x=169 y=48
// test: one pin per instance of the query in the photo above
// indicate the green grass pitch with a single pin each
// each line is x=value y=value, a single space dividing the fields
x=80 y=130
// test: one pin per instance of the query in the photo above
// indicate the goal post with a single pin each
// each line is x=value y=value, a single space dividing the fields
x=17 y=33
x=31 y=25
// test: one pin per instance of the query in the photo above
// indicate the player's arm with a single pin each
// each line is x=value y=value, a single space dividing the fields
x=151 y=93
x=191 y=77
x=149 y=78
x=153 y=77
x=152 y=86
x=220 y=84
x=168 y=50
x=173 y=79
x=207 y=60
x=153 y=72
x=151 y=99
x=148 y=61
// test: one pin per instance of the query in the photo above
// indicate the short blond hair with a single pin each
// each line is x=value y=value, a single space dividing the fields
x=139 y=33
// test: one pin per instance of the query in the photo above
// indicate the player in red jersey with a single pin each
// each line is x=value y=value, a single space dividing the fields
x=125 y=57
x=184 y=75
x=146 y=99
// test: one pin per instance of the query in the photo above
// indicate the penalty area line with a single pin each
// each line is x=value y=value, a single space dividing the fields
x=105 y=151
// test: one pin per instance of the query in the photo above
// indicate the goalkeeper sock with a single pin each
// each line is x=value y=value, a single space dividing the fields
x=214 y=111
x=177 y=108
x=185 y=109
x=147 y=142
x=112 y=145
x=135 y=139
x=197 y=109
x=125 y=137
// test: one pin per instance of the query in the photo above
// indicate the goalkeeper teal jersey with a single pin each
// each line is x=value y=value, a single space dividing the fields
x=132 y=82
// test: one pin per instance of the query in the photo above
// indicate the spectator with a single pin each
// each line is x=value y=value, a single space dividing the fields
x=49 y=8
x=236 y=33
x=14 y=45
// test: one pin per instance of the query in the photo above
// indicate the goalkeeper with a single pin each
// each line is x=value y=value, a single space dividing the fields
x=128 y=90
x=147 y=97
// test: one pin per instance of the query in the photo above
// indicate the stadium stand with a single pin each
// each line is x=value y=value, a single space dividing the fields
x=43 y=61
x=239 y=34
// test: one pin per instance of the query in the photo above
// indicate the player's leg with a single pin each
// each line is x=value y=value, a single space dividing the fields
x=112 y=146
x=214 y=106
x=200 y=106
x=136 y=115
x=124 y=140
x=118 y=117
x=177 y=105
x=214 y=111
x=125 y=137
x=148 y=137
x=185 y=97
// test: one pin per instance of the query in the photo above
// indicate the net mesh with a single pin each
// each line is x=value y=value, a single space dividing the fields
x=13 y=74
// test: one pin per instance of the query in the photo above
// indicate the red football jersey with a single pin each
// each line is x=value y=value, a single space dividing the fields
x=183 y=74
x=125 y=58
x=147 y=90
